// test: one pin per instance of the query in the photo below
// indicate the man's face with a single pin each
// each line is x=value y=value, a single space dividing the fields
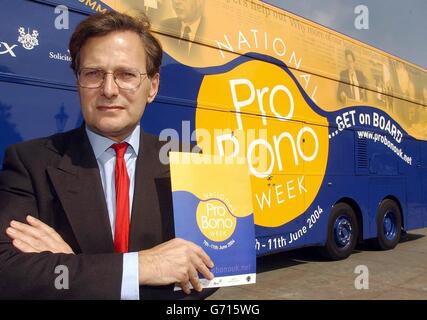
x=187 y=10
x=109 y=110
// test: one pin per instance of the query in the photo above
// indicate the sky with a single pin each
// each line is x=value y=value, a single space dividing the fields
x=395 y=26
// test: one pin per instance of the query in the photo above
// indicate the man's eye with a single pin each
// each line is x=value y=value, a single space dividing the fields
x=92 y=73
x=126 y=75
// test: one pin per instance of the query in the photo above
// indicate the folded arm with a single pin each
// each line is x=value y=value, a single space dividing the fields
x=32 y=274
x=30 y=252
x=176 y=261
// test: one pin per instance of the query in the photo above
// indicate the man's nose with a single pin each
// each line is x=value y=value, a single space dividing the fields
x=110 y=88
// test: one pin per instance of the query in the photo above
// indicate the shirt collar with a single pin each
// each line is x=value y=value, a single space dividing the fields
x=100 y=143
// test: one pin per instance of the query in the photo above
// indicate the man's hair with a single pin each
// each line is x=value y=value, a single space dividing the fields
x=99 y=25
x=348 y=52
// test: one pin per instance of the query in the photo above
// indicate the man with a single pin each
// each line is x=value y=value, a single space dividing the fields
x=189 y=23
x=96 y=201
x=352 y=81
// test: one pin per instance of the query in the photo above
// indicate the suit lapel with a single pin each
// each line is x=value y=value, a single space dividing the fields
x=151 y=220
x=78 y=185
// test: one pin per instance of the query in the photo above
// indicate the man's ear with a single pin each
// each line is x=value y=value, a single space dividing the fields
x=154 y=87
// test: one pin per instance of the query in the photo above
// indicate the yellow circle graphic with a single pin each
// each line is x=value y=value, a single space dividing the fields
x=256 y=111
x=215 y=221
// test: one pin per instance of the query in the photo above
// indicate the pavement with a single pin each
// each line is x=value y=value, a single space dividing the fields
x=367 y=274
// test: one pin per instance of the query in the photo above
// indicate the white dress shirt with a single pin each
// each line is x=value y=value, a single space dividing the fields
x=106 y=158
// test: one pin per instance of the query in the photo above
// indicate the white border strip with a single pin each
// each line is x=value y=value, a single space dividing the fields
x=236 y=280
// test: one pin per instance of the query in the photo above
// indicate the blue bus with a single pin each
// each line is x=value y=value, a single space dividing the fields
x=334 y=130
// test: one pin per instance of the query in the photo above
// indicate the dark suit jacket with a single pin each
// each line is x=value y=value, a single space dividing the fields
x=57 y=180
x=345 y=86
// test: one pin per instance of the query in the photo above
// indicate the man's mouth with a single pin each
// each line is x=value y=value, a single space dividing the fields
x=109 y=108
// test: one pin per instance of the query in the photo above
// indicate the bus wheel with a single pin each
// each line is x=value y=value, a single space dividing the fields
x=389 y=224
x=342 y=232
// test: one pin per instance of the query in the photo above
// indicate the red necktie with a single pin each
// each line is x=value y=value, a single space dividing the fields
x=121 y=230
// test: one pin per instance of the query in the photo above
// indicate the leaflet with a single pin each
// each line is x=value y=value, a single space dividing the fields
x=213 y=208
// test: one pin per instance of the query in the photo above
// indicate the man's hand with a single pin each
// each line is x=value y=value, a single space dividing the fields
x=175 y=261
x=36 y=237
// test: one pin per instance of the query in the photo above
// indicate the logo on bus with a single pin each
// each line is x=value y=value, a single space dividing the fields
x=28 y=40
x=270 y=124
x=8 y=49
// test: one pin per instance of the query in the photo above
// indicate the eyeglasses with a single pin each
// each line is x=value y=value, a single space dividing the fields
x=127 y=79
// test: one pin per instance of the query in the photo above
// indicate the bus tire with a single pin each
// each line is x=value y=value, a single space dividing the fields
x=342 y=232
x=389 y=225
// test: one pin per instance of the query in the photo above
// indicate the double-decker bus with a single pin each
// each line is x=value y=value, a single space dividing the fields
x=334 y=131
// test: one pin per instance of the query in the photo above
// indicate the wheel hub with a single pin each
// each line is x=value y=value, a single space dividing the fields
x=342 y=231
x=389 y=225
